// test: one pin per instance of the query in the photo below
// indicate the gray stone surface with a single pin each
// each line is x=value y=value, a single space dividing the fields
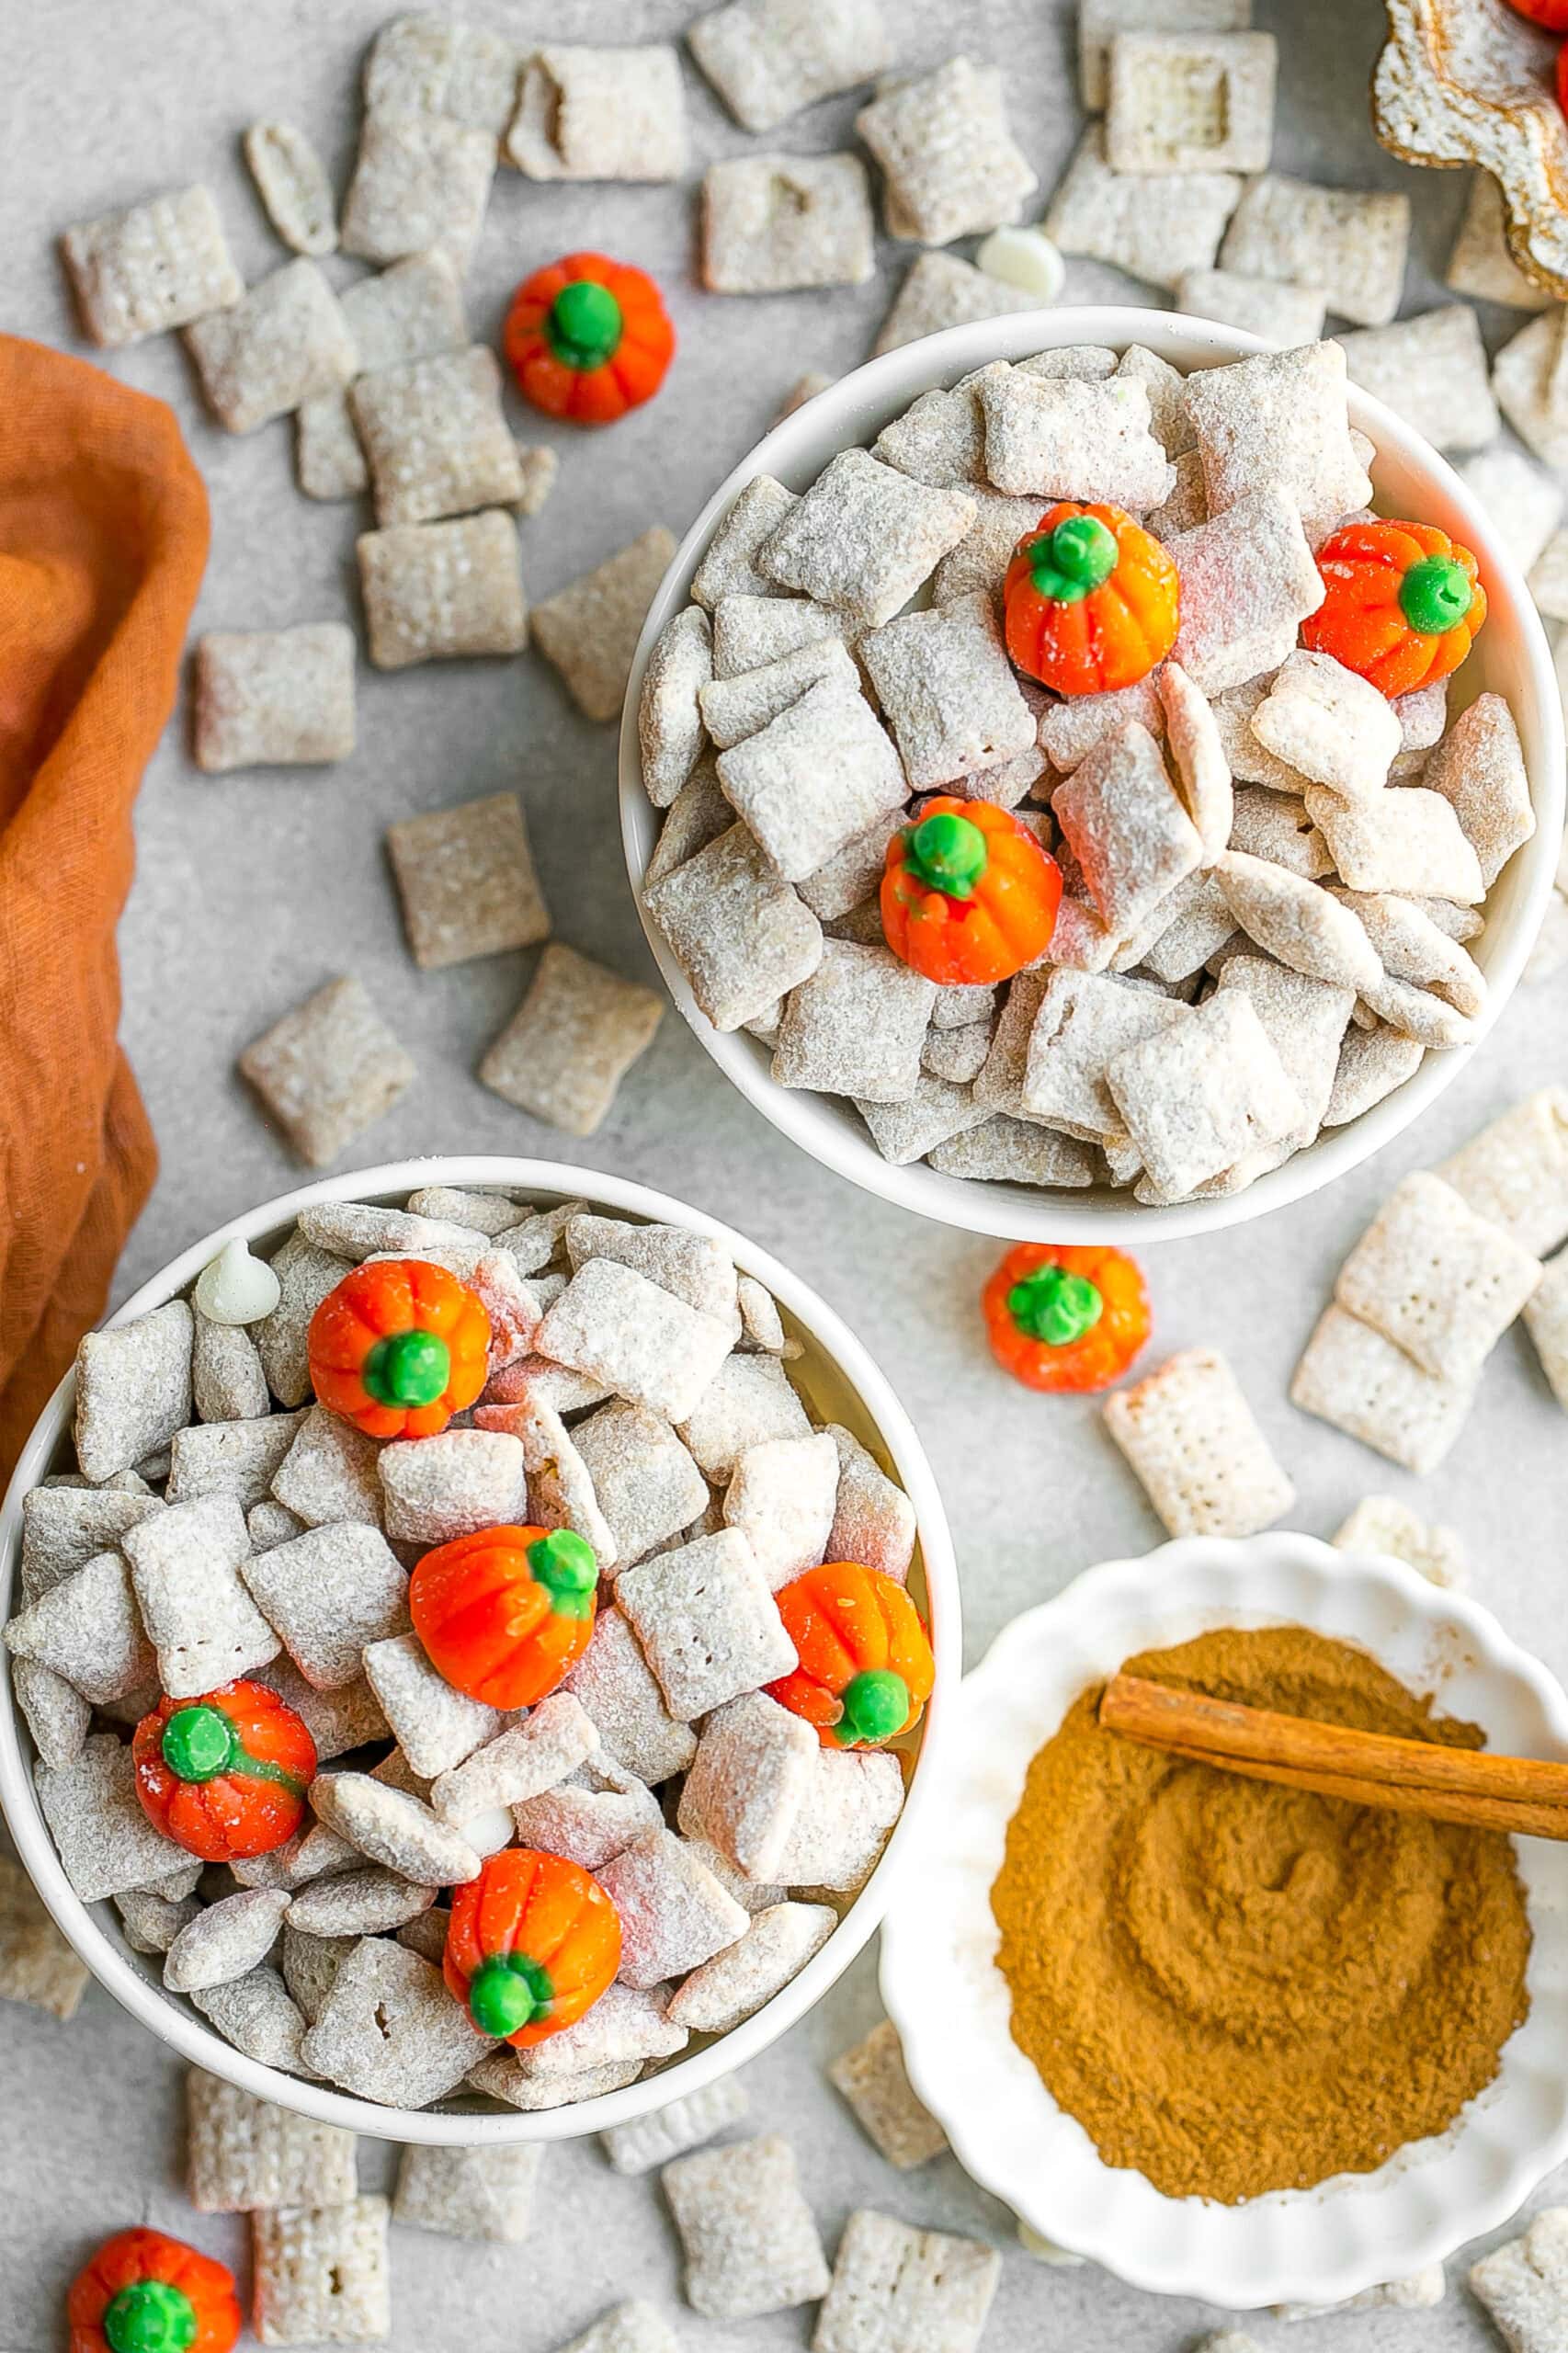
x=253 y=888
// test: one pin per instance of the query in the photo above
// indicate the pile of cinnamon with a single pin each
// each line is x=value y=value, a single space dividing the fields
x=1237 y=1986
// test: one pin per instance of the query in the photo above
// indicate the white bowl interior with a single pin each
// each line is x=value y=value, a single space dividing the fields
x=1511 y=658
x=942 y=1985
x=840 y=1382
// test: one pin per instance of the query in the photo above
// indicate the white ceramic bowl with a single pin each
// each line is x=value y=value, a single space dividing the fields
x=1511 y=657
x=842 y=1384
x=942 y=1986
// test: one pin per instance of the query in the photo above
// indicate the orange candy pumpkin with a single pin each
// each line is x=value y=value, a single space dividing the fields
x=967 y=894
x=533 y=1942
x=224 y=1776
x=1065 y=1319
x=1093 y=601
x=505 y=1613
x=143 y=2292
x=1402 y=607
x=399 y=1347
x=865 y=1669
x=589 y=338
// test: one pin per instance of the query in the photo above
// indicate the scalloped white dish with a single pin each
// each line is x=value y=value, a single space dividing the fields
x=950 y=2002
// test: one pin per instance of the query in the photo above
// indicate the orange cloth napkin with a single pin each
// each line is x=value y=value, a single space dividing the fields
x=103 y=538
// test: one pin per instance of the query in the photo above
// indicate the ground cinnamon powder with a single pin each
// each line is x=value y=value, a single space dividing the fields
x=1237 y=1987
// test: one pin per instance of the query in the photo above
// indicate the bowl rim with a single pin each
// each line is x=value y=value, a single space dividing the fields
x=201 y=2044
x=1252 y=1567
x=839 y=418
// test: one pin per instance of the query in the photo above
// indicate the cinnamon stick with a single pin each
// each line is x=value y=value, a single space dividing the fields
x=1521 y=1794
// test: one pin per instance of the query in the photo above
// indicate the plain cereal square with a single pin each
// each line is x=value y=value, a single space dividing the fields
x=434 y=591
x=572 y=1041
x=950 y=165
x=321 y=2275
x=774 y=223
x=408 y=68
x=466 y=881
x=589 y=631
x=1348 y=245
x=1357 y=1380
x=419 y=183
x=435 y=438
x=865 y=536
x=739 y=932
x=1193 y=1442
x=287 y=341
x=328 y=1070
x=707 y=1624
x=242 y=2153
x=1190 y=102
x=274 y=698
x=896 y=2289
x=600 y=114
x=751 y=2244
x=154 y=266
x=767 y=58
x=468 y=2193
x=855 y=1026
x=1440 y=1282
x=37 y=1965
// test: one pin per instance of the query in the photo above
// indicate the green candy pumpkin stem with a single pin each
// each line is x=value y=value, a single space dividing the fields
x=1054 y=1306
x=875 y=1705
x=584 y=325
x=946 y=853
x=150 y=2317
x=506 y=1992
x=564 y=1564
x=1436 y=595
x=199 y=1743
x=1070 y=562
x=408 y=1369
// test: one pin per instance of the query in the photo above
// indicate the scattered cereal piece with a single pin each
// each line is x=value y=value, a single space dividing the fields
x=707 y=1622
x=1247 y=581
x=865 y=536
x=389 y=2031
x=1194 y=1444
x=434 y=591
x=267 y=698
x=1406 y=840
x=1124 y=824
x=895 y=2287
x=1382 y=1524
x=1481 y=264
x=1523 y=377
x=1353 y=1377
x=768 y=59
x=419 y=183
x=484 y=2193
x=1351 y=245
x=1431 y=370
x=292 y=183
x=37 y=1965
x=1281 y=419
x=88 y=1629
x=950 y=166
x=1546 y=1318
x=600 y=114
x=1330 y=725
x=1440 y=1282
x=630 y=2328
x=185 y=1564
x=873 y=2079
x=328 y=1593
x=106 y=1842
x=1515 y=1173
x=132 y=1392
x=328 y=1070
x=1524 y=2284
x=750 y=2243
x=285 y=342
x=1099 y=22
x=154 y=266
x=254 y=2013
x=1287 y=315
x=572 y=1041
x=940 y=291
x=409 y=66
x=1127 y=218
x=320 y=2273
x=1190 y=102
x=434 y=438
x=773 y=223
x=739 y=933
x=589 y=631
x=467 y=881
x=413 y=311
x=244 y=2153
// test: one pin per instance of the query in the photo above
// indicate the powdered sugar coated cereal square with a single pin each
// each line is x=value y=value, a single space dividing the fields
x=1155 y=228
x=855 y=1026
x=1436 y=1280
x=739 y=932
x=154 y=266
x=466 y=881
x=321 y=2275
x=1349 y=245
x=865 y=536
x=1280 y=418
x=419 y=183
x=767 y=58
x=1184 y=101
x=1362 y=1383
x=570 y=1041
x=874 y=2080
x=600 y=114
x=774 y=223
x=1193 y=1442
x=895 y=2288
x=950 y=165
x=285 y=342
x=267 y=698
x=750 y=2243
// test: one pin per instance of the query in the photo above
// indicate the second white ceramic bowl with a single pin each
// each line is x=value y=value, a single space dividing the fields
x=839 y=1381
x=950 y=2002
x=1512 y=658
